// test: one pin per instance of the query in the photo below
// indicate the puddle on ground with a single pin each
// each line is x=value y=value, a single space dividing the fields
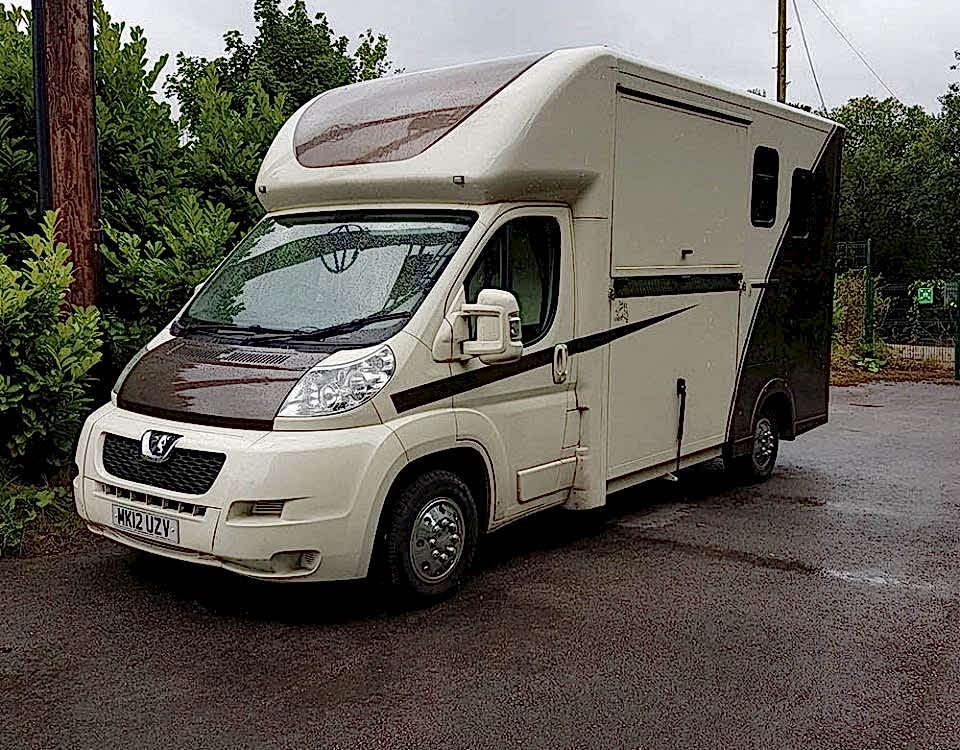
x=770 y=562
x=874 y=578
x=734 y=555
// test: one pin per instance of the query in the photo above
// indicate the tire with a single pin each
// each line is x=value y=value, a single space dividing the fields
x=758 y=465
x=430 y=538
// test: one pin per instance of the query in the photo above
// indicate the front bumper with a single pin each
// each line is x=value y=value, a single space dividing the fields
x=331 y=484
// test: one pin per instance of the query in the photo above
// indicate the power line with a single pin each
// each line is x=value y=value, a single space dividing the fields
x=806 y=47
x=855 y=50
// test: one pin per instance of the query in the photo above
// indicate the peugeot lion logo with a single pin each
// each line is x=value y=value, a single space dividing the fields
x=156 y=446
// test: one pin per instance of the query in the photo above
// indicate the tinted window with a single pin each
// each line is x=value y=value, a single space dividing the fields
x=766 y=174
x=523 y=257
x=801 y=203
x=397 y=117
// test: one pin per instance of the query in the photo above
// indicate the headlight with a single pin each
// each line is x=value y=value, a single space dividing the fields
x=126 y=370
x=332 y=390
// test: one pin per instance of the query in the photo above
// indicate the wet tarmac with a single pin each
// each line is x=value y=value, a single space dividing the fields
x=819 y=610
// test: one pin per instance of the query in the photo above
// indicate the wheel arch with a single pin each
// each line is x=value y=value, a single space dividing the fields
x=777 y=396
x=466 y=459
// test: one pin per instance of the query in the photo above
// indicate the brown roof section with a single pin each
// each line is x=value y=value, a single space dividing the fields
x=396 y=118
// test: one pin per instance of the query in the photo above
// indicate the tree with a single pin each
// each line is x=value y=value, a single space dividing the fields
x=292 y=56
x=225 y=154
x=142 y=162
x=949 y=146
x=894 y=174
x=141 y=159
x=18 y=143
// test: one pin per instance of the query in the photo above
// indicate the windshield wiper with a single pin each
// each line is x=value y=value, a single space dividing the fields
x=319 y=334
x=202 y=326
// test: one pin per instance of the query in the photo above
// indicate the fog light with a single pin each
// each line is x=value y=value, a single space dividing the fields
x=310 y=560
x=255 y=509
x=290 y=562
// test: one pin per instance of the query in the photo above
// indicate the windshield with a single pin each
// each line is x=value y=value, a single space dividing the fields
x=347 y=278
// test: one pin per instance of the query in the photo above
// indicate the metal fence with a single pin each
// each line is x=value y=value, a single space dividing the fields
x=918 y=320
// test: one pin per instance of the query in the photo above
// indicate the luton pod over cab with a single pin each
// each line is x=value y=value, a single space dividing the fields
x=479 y=292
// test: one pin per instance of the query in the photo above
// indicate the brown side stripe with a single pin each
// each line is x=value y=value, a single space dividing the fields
x=456 y=384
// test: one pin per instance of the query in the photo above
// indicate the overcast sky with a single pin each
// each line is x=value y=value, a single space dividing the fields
x=909 y=42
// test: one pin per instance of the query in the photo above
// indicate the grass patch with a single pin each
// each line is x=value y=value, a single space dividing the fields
x=852 y=368
x=38 y=519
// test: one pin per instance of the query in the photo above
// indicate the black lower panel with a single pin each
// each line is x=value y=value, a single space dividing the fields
x=788 y=349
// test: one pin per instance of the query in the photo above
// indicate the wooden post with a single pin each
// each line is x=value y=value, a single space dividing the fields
x=782 y=51
x=869 y=299
x=67 y=133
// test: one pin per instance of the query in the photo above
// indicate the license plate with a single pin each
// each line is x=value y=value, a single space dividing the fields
x=146 y=524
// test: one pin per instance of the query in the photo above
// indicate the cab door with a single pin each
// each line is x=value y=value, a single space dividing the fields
x=527 y=415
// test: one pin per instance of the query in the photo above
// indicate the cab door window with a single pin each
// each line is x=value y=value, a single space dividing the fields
x=523 y=258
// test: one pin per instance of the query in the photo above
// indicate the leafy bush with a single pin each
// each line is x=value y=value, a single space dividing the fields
x=870 y=364
x=225 y=154
x=849 y=312
x=848 y=309
x=46 y=354
x=175 y=195
x=152 y=166
x=142 y=161
x=17 y=125
x=896 y=172
x=156 y=278
x=18 y=165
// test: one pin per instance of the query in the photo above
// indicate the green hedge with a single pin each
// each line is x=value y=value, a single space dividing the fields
x=47 y=352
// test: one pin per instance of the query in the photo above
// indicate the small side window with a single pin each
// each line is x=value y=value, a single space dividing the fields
x=801 y=203
x=766 y=175
x=523 y=258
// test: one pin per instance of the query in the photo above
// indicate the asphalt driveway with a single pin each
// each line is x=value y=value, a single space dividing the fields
x=819 y=610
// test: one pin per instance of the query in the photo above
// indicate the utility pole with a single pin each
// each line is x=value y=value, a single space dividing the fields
x=782 y=51
x=65 y=99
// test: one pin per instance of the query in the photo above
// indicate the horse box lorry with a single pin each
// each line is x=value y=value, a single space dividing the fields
x=478 y=292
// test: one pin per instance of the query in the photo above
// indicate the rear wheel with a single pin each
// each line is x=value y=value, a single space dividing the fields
x=758 y=465
x=430 y=537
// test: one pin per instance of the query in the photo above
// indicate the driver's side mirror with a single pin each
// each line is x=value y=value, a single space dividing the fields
x=498 y=336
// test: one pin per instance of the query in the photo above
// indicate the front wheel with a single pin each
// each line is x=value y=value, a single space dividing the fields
x=430 y=537
x=757 y=466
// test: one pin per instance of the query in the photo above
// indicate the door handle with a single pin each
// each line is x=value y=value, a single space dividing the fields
x=561 y=360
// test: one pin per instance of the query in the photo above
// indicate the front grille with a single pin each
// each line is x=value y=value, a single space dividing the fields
x=187 y=471
x=152 y=501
